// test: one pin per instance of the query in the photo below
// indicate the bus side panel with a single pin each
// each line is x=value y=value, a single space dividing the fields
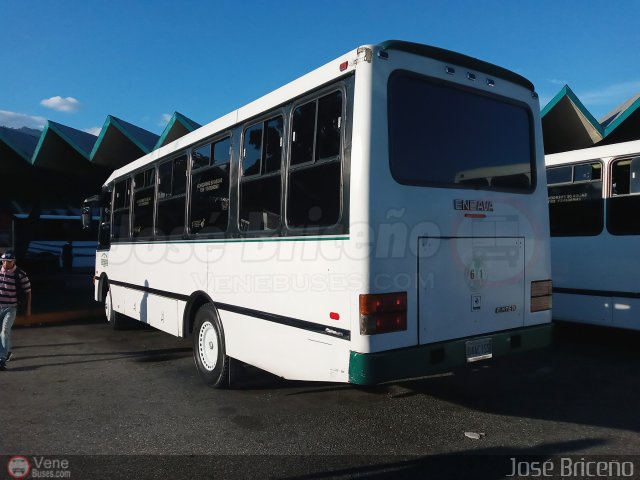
x=136 y=301
x=582 y=308
x=161 y=313
x=285 y=351
x=118 y=298
x=580 y=264
x=307 y=279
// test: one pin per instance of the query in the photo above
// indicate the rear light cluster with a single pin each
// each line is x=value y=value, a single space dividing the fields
x=383 y=313
x=541 y=295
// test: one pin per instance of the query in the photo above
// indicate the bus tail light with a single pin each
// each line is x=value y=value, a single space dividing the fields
x=383 y=313
x=541 y=295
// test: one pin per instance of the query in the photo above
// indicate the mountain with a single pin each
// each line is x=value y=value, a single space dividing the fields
x=29 y=131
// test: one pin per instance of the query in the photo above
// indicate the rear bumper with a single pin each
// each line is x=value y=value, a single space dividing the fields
x=374 y=368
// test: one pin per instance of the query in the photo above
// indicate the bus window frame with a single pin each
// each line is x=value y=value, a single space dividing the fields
x=171 y=159
x=218 y=137
x=284 y=113
x=123 y=178
x=345 y=88
x=143 y=170
x=617 y=198
x=602 y=198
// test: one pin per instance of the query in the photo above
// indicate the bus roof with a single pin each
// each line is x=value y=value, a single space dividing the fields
x=593 y=153
x=312 y=80
x=459 y=59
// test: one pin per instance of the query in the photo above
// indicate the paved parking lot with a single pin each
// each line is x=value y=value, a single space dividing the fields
x=82 y=389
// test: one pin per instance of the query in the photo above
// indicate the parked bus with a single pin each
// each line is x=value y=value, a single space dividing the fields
x=321 y=232
x=594 y=200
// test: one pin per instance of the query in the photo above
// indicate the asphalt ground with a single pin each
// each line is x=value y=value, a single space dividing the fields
x=129 y=404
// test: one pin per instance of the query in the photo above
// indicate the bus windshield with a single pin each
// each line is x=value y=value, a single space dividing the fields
x=444 y=136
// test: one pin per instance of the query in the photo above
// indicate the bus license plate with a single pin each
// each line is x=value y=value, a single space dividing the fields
x=479 y=349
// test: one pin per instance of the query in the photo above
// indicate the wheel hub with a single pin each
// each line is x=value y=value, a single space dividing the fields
x=208 y=346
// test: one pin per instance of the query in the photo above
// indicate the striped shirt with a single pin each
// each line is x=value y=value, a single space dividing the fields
x=8 y=293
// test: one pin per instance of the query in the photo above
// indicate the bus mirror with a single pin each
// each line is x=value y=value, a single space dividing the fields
x=86 y=217
x=105 y=199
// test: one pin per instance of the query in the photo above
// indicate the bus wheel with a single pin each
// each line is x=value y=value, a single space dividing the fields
x=209 y=352
x=114 y=318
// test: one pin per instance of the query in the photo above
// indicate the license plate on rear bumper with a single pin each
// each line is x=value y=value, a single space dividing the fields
x=480 y=349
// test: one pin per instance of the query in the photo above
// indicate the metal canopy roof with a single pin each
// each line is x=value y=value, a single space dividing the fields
x=21 y=144
x=16 y=149
x=623 y=124
x=64 y=149
x=568 y=125
x=64 y=163
x=178 y=126
x=120 y=143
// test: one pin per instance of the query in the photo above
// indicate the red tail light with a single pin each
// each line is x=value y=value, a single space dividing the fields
x=382 y=313
x=541 y=295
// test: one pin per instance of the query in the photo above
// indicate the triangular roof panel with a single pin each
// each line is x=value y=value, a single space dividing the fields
x=567 y=124
x=120 y=143
x=178 y=126
x=23 y=144
x=623 y=124
x=64 y=149
x=16 y=149
x=618 y=114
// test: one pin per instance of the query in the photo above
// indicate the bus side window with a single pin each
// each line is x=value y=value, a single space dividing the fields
x=210 y=187
x=314 y=194
x=171 y=197
x=620 y=177
x=121 y=199
x=143 y=192
x=260 y=186
x=576 y=207
x=622 y=207
x=559 y=175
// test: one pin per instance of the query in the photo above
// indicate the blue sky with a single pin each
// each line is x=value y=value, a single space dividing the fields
x=77 y=61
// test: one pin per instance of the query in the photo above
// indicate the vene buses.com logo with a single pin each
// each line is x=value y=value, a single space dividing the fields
x=18 y=467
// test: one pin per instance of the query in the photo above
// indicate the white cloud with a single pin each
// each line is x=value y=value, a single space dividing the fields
x=166 y=117
x=17 y=120
x=93 y=130
x=557 y=81
x=68 y=104
x=610 y=94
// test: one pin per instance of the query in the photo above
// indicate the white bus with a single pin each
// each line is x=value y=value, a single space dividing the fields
x=321 y=232
x=594 y=200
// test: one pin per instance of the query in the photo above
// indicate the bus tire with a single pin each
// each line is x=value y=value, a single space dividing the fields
x=115 y=319
x=209 y=351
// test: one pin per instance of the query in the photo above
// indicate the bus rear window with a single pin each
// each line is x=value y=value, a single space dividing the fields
x=444 y=136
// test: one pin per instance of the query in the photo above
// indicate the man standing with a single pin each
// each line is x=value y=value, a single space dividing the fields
x=14 y=284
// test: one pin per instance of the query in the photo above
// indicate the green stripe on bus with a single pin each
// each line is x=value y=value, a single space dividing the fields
x=413 y=362
x=234 y=240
